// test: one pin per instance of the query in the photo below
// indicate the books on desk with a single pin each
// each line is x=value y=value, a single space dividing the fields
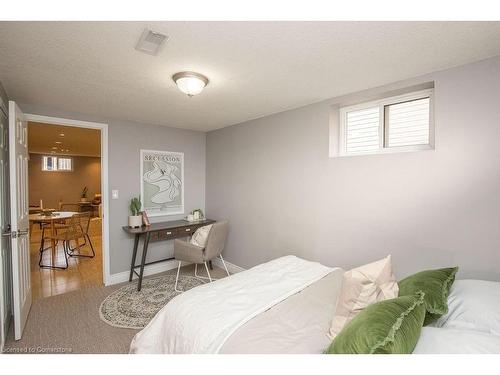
x=145 y=219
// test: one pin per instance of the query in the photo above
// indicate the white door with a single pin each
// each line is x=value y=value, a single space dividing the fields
x=19 y=217
x=4 y=228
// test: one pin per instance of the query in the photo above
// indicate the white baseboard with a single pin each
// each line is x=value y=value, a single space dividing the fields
x=153 y=269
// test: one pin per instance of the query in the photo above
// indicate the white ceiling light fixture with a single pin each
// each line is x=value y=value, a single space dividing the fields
x=190 y=83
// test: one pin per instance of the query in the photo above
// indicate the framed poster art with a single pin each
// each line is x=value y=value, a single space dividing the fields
x=162 y=182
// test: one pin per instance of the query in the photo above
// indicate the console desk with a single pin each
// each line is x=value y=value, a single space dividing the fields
x=163 y=231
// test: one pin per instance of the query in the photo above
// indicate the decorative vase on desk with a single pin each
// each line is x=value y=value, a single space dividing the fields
x=135 y=220
x=197 y=214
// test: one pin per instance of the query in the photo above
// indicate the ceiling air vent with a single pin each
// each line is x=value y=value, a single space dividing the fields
x=150 y=42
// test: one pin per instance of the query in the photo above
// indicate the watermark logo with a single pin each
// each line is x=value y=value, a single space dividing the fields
x=37 y=350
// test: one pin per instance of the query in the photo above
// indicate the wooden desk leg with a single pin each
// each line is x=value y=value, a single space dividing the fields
x=134 y=255
x=143 y=261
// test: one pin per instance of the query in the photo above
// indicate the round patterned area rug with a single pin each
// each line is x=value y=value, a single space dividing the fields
x=128 y=308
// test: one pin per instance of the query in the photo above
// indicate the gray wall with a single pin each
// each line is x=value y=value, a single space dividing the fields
x=125 y=141
x=273 y=179
x=66 y=187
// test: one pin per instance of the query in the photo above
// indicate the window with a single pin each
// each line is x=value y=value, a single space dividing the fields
x=54 y=163
x=64 y=164
x=401 y=123
x=49 y=163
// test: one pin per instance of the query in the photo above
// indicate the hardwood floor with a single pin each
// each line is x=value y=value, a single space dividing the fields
x=81 y=272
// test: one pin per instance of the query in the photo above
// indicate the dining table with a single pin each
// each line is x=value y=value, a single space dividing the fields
x=51 y=219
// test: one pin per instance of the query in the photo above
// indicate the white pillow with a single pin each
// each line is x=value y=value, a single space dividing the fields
x=199 y=238
x=361 y=287
x=473 y=305
x=456 y=341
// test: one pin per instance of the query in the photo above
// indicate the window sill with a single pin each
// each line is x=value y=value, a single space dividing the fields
x=393 y=150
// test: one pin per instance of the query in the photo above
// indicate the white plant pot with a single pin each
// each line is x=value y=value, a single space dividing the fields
x=83 y=200
x=135 y=221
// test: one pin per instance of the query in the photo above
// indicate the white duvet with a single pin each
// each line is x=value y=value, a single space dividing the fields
x=202 y=319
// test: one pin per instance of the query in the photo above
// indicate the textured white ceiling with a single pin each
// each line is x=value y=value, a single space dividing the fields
x=255 y=68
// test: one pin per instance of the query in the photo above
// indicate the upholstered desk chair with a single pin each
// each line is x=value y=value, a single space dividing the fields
x=187 y=252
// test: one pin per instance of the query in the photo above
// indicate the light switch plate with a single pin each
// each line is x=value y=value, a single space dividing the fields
x=114 y=194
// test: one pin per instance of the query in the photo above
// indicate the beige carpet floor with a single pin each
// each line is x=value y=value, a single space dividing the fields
x=70 y=323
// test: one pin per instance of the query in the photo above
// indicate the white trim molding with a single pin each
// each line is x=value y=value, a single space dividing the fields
x=104 y=178
x=152 y=269
x=157 y=268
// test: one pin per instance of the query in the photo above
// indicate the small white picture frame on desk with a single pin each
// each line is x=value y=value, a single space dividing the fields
x=162 y=182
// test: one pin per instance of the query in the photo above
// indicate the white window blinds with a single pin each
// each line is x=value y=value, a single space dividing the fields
x=65 y=164
x=54 y=163
x=407 y=123
x=394 y=124
x=362 y=130
x=49 y=163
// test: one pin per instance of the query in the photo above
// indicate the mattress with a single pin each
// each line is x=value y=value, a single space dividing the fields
x=297 y=325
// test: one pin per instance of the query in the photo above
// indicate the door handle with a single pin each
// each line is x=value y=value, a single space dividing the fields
x=6 y=232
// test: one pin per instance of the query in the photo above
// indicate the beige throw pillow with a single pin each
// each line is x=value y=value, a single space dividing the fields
x=199 y=238
x=361 y=287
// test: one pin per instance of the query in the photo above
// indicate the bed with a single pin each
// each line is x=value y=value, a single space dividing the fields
x=285 y=306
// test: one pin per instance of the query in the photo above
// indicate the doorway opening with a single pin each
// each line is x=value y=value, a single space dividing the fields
x=66 y=206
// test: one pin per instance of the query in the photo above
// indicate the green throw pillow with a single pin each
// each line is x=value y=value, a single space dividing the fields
x=387 y=327
x=436 y=285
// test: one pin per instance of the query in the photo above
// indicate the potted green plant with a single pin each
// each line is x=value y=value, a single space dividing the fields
x=83 y=194
x=135 y=220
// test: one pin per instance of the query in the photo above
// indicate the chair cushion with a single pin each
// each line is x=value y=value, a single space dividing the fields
x=187 y=252
x=362 y=287
x=436 y=285
x=199 y=237
x=388 y=327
